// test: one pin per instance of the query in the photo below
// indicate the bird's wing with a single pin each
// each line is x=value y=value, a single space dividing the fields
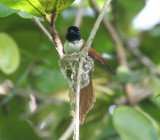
x=95 y=55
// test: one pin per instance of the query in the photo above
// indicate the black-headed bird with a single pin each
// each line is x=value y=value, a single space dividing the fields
x=74 y=43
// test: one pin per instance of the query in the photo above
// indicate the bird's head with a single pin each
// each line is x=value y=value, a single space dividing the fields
x=73 y=34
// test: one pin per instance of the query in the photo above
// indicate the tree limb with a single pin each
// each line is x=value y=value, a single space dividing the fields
x=76 y=116
x=54 y=37
x=84 y=53
x=113 y=35
x=53 y=13
x=44 y=30
x=95 y=28
x=57 y=41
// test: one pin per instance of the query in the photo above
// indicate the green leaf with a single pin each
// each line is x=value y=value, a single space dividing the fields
x=37 y=8
x=6 y=11
x=150 y=107
x=62 y=5
x=48 y=5
x=31 y=6
x=57 y=5
x=24 y=14
x=132 y=125
x=9 y=54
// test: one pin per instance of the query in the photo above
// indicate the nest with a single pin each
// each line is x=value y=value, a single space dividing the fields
x=69 y=65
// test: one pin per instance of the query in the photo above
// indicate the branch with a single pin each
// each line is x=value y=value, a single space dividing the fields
x=76 y=116
x=54 y=38
x=122 y=58
x=95 y=28
x=84 y=53
x=57 y=41
x=79 y=16
x=113 y=35
x=67 y=133
x=53 y=13
x=44 y=30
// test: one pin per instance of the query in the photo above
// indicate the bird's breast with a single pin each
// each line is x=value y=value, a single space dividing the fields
x=71 y=47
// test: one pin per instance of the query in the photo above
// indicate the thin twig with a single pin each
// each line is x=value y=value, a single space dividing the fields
x=54 y=38
x=55 y=19
x=57 y=41
x=54 y=33
x=79 y=16
x=76 y=116
x=67 y=133
x=44 y=30
x=113 y=35
x=53 y=13
x=122 y=58
x=95 y=28
x=84 y=53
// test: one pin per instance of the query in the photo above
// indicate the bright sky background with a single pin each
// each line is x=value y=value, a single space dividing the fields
x=149 y=16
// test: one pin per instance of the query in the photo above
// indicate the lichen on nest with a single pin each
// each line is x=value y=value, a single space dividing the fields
x=69 y=65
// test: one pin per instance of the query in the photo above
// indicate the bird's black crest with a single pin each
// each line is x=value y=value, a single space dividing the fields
x=73 y=34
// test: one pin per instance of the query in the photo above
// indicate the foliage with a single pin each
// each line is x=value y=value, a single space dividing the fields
x=57 y=5
x=38 y=8
x=29 y=70
x=9 y=54
x=6 y=11
x=131 y=130
x=30 y=6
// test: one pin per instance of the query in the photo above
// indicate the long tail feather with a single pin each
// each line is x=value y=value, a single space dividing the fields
x=87 y=99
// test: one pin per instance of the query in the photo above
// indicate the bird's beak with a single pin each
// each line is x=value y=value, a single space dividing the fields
x=72 y=32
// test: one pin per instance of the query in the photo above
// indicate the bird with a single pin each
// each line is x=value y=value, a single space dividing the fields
x=74 y=43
